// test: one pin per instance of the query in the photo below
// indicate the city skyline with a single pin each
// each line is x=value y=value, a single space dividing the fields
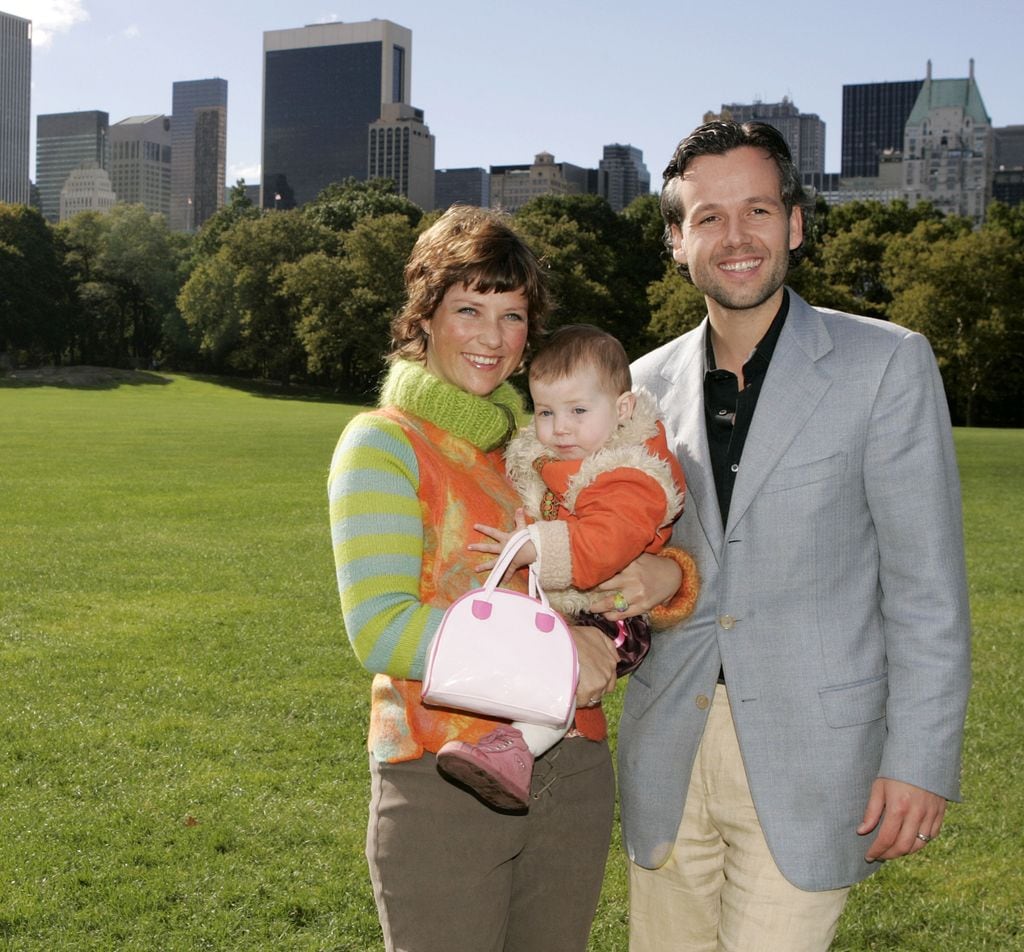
x=499 y=88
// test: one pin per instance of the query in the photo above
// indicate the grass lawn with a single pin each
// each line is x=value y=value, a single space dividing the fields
x=182 y=724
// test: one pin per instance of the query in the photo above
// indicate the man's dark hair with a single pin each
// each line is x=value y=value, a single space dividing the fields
x=718 y=138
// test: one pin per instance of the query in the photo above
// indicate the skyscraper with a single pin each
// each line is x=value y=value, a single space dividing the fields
x=87 y=188
x=140 y=162
x=199 y=126
x=874 y=115
x=804 y=132
x=461 y=186
x=323 y=86
x=402 y=149
x=15 y=120
x=625 y=175
x=64 y=140
x=1009 y=147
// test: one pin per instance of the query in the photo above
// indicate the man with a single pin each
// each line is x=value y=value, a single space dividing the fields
x=805 y=723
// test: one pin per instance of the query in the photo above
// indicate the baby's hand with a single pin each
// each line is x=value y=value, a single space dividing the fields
x=500 y=538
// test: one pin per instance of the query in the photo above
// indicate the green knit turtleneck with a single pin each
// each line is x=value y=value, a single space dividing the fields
x=486 y=422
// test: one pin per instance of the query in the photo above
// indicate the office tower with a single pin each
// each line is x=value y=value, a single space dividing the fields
x=461 y=187
x=323 y=86
x=947 y=147
x=140 y=162
x=64 y=140
x=209 y=159
x=625 y=175
x=1008 y=186
x=512 y=186
x=199 y=128
x=804 y=132
x=874 y=115
x=87 y=188
x=1009 y=147
x=1008 y=177
x=15 y=121
x=402 y=149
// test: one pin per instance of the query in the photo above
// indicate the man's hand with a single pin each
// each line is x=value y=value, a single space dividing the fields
x=908 y=811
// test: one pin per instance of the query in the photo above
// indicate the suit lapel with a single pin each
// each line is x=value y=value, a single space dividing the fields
x=683 y=412
x=792 y=389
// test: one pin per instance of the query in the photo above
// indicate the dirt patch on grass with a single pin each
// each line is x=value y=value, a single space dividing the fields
x=83 y=377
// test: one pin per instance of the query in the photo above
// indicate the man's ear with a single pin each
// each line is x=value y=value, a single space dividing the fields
x=625 y=405
x=796 y=228
x=678 y=249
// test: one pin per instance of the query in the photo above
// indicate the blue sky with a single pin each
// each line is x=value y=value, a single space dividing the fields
x=501 y=82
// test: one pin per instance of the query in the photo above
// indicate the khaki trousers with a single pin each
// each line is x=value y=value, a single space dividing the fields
x=452 y=875
x=720 y=890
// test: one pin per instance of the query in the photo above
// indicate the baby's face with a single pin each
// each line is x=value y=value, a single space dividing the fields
x=575 y=416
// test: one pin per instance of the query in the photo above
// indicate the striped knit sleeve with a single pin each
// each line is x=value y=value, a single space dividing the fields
x=377 y=533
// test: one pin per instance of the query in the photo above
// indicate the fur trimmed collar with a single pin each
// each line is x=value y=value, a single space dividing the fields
x=626 y=447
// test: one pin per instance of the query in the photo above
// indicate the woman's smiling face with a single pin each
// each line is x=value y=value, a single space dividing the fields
x=476 y=339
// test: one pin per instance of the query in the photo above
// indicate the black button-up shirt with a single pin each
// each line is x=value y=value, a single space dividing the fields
x=729 y=410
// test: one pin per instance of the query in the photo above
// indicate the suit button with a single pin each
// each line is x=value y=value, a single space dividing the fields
x=727 y=622
x=703 y=702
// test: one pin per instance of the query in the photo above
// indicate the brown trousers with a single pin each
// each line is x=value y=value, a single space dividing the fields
x=453 y=875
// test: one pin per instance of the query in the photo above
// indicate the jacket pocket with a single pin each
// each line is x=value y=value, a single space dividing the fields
x=804 y=474
x=859 y=703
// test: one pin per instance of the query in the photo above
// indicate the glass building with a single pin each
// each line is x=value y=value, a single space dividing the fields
x=15 y=118
x=64 y=140
x=323 y=86
x=874 y=115
x=461 y=186
x=199 y=131
x=625 y=175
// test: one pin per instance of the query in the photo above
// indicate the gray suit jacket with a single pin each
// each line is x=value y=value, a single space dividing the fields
x=835 y=597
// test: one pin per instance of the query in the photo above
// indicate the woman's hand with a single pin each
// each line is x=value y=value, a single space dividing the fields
x=647 y=581
x=598 y=659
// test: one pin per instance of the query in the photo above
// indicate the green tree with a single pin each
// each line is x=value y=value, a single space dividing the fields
x=237 y=208
x=342 y=205
x=645 y=257
x=35 y=300
x=964 y=290
x=596 y=274
x=125 y=266
x=234 y=302
x=676 y=306
x=848 y=243
x=1009 y=218
x=347 y=302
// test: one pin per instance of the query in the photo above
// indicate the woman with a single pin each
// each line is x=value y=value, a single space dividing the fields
x=408 y=481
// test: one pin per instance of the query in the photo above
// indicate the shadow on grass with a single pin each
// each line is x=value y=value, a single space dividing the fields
x=110 y=378
x=274 y=390
x=81 y=378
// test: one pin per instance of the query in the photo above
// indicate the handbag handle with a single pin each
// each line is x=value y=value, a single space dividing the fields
x=515 y=542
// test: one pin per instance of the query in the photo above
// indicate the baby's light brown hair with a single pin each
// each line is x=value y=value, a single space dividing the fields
x=576 y=348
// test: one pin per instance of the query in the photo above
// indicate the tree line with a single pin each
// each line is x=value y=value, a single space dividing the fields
x=306 y=296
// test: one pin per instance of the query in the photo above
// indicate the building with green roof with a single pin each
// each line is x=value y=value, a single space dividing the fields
x=948 y=147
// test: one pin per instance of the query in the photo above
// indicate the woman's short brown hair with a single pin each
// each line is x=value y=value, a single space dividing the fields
x=474 y=247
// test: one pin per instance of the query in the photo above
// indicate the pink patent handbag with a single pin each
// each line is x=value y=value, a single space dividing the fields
x=504 y=654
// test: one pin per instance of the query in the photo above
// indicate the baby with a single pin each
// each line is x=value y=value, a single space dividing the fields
x=596 y=473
